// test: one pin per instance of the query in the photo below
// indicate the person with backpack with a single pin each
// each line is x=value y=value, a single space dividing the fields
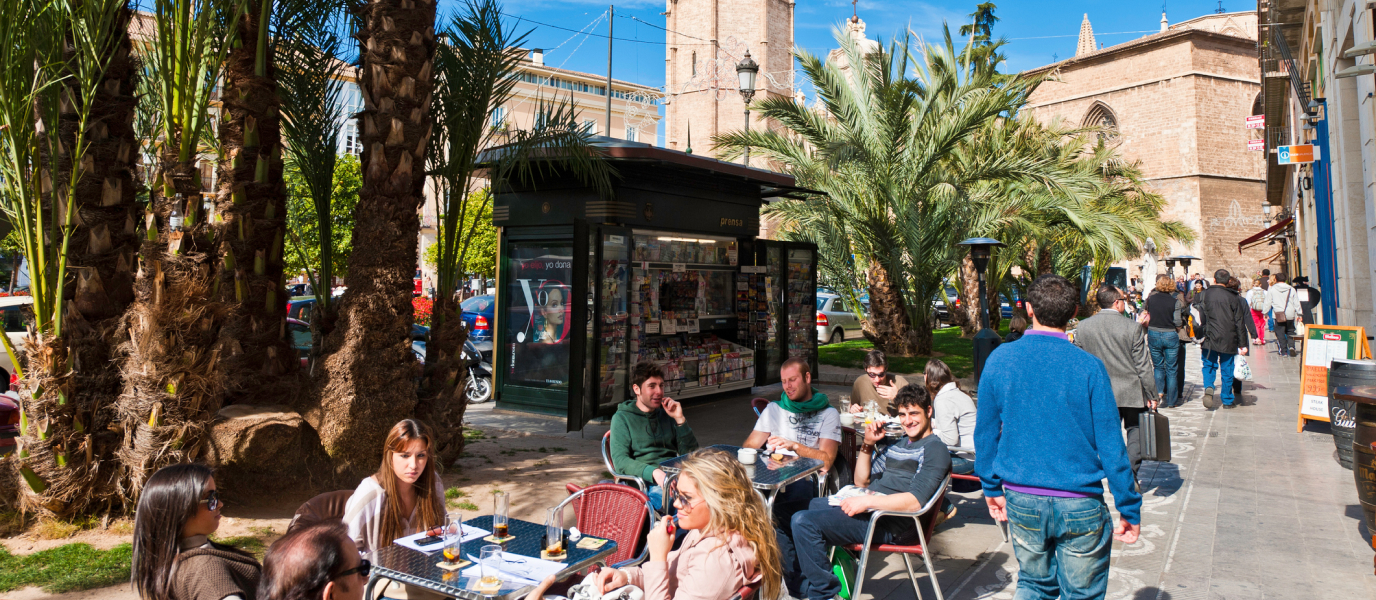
x=1285 y=307
x=1256 y=301
x=1224 y=330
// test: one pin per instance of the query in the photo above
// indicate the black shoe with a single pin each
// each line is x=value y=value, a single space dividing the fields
x=1229 y=405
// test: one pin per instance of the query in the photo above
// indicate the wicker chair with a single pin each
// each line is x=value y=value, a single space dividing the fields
x=619 y=513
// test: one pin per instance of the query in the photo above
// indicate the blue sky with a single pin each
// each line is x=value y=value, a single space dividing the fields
x=1037 y=31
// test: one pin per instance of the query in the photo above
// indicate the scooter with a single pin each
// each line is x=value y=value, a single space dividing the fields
x=478 y=357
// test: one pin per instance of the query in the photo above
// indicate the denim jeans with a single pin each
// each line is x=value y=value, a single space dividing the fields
x=823 y=525
x=790 y=501
x=1164 y=347
x=1222 y=364
x=961 y=465
x=1062 y=546
x=656 y=494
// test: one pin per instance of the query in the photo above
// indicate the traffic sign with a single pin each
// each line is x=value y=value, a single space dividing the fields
x=1256 y=121
x=1296 y=154
x=1256 y=144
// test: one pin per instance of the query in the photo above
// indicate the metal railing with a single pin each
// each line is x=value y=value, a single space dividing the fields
x=1280 y=51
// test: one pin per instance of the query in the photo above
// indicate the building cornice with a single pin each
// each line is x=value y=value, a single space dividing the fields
x=1143 y=42
x=1140 y=84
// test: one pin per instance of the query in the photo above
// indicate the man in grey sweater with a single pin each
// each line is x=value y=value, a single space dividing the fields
x=1121 y=343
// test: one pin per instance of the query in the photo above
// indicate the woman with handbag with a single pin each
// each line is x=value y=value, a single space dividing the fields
x=1285 y=307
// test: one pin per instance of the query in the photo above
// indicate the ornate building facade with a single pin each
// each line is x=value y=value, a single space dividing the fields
x=1178 y=101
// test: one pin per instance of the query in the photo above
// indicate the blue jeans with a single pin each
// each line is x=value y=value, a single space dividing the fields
x=1218 y=362
x=792 y=500
x=656 y=494
x=1165 y=347
x=1062 y=545
x=823 y=525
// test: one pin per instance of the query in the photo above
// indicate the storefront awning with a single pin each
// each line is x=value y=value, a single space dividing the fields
x=1265 y=235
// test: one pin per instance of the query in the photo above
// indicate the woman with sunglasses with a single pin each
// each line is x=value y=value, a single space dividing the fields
x=730 y=540
x=174 y=558
x=318 y=562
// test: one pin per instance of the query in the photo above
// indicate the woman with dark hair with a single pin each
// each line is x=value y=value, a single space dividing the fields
x=953 y=414
x=174 y=558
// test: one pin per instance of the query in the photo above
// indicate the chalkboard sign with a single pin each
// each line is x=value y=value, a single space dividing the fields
x=1322 y=344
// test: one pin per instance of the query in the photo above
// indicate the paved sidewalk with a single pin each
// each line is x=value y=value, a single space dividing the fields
x=1247 y=509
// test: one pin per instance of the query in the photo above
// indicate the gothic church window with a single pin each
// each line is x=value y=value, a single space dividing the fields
x=1102 y=117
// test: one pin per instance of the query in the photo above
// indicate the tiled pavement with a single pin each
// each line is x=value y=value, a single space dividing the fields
x=1247 y=509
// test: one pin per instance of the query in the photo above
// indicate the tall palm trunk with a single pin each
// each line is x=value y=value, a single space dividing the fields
x=79 y=365
x=369 y=370
x=251 y=223
x=893 y=331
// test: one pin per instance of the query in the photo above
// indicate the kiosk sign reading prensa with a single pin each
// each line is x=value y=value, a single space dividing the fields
x=1297 y=154
x=1323 y=344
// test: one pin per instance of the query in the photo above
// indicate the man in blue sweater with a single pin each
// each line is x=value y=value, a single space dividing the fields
x=1046 y=436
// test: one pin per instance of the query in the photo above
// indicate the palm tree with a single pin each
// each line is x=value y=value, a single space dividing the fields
x=66 y=159
x=173 y=376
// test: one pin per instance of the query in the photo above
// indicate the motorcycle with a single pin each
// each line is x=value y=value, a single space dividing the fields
x=478 y=358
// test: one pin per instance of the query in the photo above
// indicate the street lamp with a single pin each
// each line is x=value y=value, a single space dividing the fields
x=746 y=71
x=987 y=339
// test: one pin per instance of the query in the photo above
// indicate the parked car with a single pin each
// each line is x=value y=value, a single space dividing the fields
x=299 y=334
x=301 y=309
x=476 y=313
x=9 y=422
x=836 y=322
x=1006 y=307
x=14 y=310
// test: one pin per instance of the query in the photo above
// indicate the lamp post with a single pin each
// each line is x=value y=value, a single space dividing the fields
x=745 y=72
x=987 y=339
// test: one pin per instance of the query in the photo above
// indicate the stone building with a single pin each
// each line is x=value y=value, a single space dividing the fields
x=1178 y=100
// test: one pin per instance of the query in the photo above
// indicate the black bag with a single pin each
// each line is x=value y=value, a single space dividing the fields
x=1154 y=429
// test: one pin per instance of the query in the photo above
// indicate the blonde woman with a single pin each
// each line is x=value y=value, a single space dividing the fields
x=404 y=497
x=730 y=541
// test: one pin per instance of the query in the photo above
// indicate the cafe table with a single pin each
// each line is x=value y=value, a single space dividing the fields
x=766 y=475
x=411 y=567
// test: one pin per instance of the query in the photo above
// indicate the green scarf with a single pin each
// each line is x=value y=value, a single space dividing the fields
x=814 y=404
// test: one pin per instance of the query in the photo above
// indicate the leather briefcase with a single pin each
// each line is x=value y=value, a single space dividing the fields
x=1154 y=429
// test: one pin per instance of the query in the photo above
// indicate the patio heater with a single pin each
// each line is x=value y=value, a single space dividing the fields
x=746 y=71
x=1170 y=266
x=987 y=339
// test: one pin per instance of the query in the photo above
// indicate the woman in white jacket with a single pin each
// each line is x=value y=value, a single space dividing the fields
x=1284 y=302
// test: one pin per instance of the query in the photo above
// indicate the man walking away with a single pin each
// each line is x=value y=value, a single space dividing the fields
x=1044 y=480
x=1285 y=308
x=1122 y=346
x=1225 y=337
x=1165 y=309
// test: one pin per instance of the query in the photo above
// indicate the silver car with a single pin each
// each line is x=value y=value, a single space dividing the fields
x=836 y=322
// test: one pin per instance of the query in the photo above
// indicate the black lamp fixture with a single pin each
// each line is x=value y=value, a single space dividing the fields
x=1170 y=266
x=746 y=70
x=1185 y=260
x=987 y=339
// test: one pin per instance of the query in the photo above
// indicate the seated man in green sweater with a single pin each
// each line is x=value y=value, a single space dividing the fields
x=649 y=430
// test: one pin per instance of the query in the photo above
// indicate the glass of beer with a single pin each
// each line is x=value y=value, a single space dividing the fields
x=554 y=532
x=490 y=564
x=501 y=506
x=453 y=538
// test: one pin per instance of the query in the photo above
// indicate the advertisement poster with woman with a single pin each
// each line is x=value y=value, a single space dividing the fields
x=539 y=315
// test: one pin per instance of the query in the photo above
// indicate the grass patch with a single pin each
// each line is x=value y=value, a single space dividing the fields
x=248 y=543
x=957 y=352
x=454 y=494
x=66 y=568
x=52 y=529
x=465 y=505
x=471 y=434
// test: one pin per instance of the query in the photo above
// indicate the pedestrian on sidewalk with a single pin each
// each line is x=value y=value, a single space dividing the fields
x=1309 y=298
x=1225 y=337
x=1256 y=303
x=1165 y=309
x=1235 y=284
x=1045 y=440
x=1121 y=344
x=1285 y=308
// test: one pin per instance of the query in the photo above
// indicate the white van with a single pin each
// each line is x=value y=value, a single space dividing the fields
x=14 y=312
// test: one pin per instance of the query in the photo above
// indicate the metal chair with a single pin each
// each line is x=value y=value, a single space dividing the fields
x=329 y=505
x=925 y=530
x=607 y=461
x=612 y=511
x=1003 y=525
x=758 y=405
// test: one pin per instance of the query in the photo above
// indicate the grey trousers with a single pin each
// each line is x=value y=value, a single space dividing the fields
x=1130 y=425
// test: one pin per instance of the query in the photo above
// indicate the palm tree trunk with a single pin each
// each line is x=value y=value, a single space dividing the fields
x=369 y=371
x=74 y=381
x=969 y=297
x=893 y=331
x=251 y=218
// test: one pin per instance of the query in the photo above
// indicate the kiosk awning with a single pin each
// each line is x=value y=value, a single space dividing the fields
x=1265 y=235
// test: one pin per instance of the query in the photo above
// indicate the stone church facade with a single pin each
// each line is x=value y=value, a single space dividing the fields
x=1178 y=100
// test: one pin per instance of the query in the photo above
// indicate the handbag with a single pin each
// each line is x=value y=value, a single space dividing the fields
x=1154 y=431
x=1242 y=371
x=1283 y=314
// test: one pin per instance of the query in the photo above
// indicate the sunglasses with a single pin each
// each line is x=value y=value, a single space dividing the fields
x=363 y=569
x=671 y=492
x=876 y=375
x=212 y=500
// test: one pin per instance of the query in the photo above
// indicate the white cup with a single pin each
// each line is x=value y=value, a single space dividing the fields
x=746 y=456
x=847 y=420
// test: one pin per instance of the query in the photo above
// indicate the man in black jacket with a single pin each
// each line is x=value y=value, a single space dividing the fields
x=1225 y=336
x=1309 y=298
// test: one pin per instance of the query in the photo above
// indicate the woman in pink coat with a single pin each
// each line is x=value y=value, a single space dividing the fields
x=730 y=542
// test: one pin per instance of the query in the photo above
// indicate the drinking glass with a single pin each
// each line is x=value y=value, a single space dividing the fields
x=501 y=507
x=845 y=403
x=554 y=532
x=453 y=537
x=490 y=564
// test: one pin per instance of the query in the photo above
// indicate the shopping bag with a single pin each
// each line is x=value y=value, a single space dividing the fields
x=1154 y=429
x=1242 y=371
x=843 y=566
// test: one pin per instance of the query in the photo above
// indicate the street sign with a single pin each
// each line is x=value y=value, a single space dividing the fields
x=1256 y=122
x=1296 y=154
x=1256 y=144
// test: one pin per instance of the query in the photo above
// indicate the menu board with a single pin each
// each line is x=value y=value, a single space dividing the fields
x=1323 y=344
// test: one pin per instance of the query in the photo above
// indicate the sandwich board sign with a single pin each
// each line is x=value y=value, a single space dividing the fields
x=1296 y=154
x=1322 y=344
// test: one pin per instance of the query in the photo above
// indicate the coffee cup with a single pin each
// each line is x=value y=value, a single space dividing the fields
x=847 y=420
x=746 y=456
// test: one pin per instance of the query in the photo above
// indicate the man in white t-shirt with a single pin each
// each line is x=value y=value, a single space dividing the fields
x=803 y=422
